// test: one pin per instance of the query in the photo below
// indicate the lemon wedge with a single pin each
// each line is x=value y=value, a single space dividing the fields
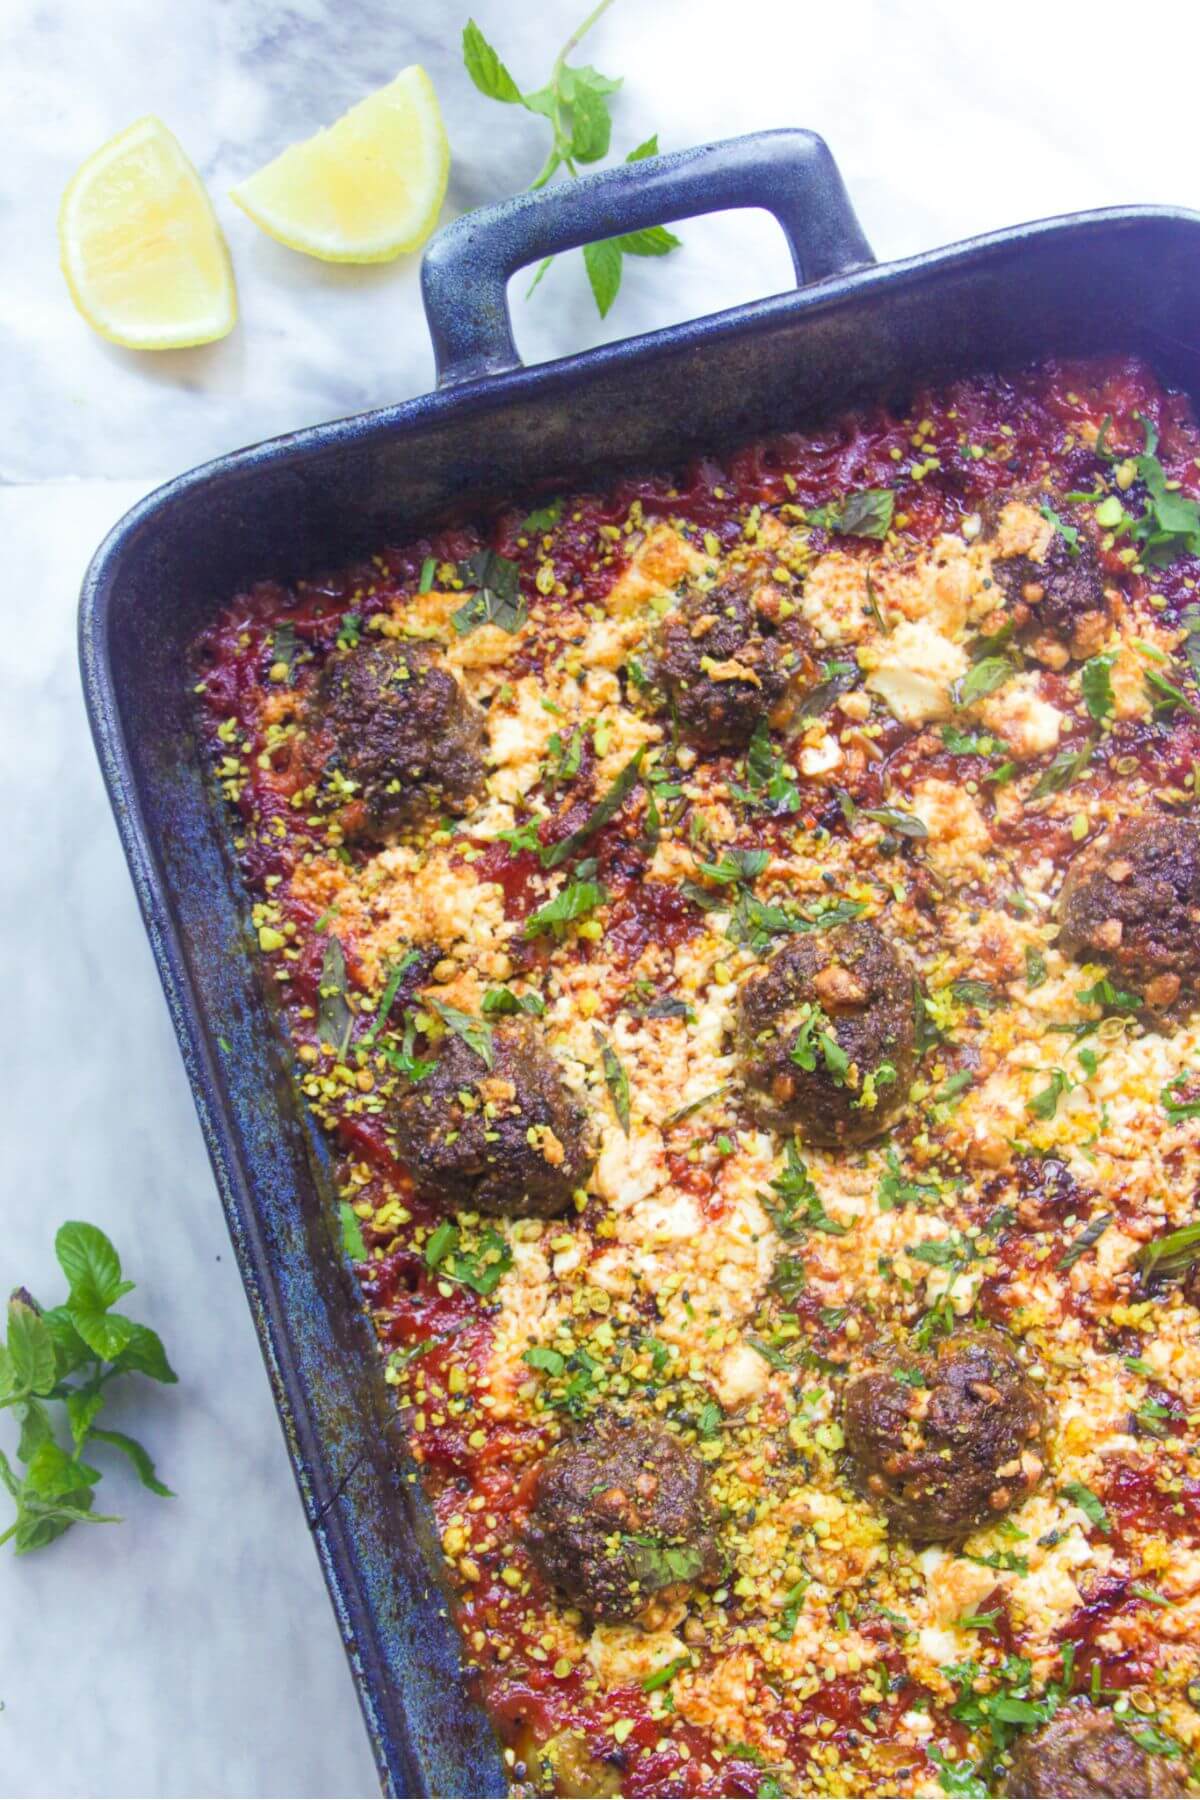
x=141 y=248
x=366 y=189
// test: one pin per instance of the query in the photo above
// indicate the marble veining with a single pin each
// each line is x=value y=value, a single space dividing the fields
x=192 y=1649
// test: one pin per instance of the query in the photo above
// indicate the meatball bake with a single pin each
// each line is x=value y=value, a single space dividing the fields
x=738 y=934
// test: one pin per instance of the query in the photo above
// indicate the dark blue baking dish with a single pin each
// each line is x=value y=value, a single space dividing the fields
x=851 y=331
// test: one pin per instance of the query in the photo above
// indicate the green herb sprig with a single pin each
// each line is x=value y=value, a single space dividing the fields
x=1170 y=1256
x=497 y=599
x=604 y=811
x=575 y=103
x=615 y=1080
x=69 y=1354
x=867 y=514
x=479 y=1268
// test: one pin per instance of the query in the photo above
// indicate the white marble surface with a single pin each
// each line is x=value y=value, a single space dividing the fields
x=191 y=1650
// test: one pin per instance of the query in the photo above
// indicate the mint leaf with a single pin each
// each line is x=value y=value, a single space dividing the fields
x=735 y=867
x=648 y=148
x=334 y=1017
x=904 y=824
x=983 y=678
x=497 y=599
x=70 y=1351
x=82 y=1408
x=480 y=1269
x=868 y=514
x=30 y=1350
x=475 y=1033
x=1095 y=679
x=442 y=1239
x=1170 y=526
x=503 y=1002
x=615 y=1080
x=768 y=784
x=1081 y=1496
x=138 y=1456
x=972 y=992
x=576 y=901
x=1103 y=993
x=605 y=809
x=573 y=82
x=661 y=1565
x=35 y=1428
x=798 y=1207
x=1170 y=698
x=591 y=122
x=352 y=1237
x=661 y=1678
x=1062 y=771
x=285 y=647
x=90 y=1264
x=603 y=263
x=40 y=1521
x=564 y=754
x=654 y=240
x=1044 y=1104
x=957 y=1777
x=105 y=1334
x=485 y=68
x=53 y=1475
x=391 y=989
x=543 y=518
x=1068 y=533
x=1188 y=1107
x=1091 y=1234
x=544 y=101
x=1171 y=1255
x=693 y=1106
x=144 y=1355
x=837 y=678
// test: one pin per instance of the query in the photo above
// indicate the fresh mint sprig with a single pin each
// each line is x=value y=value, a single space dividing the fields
x=575 y=104
x=69 y=1354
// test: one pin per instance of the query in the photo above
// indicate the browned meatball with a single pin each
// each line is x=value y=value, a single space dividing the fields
x=404 y=733
x=948 y=1441
x=1061 y=594
x=1084 y=1753
x=511 y=1139
x=827 y=1036
x=728 y=659
x=1133 y=902
x=620 y=1514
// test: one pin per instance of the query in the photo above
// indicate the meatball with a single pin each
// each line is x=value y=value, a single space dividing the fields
x=727 y=659
x=948 y=1441
x=827 y=1036
x=620 y=1515
x=1052 y=581
x=403 y=732
x=1133 y=902
x=510 y=1139
x=1085 y=1754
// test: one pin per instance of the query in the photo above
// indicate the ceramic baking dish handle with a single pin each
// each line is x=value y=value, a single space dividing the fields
x=467 y=267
